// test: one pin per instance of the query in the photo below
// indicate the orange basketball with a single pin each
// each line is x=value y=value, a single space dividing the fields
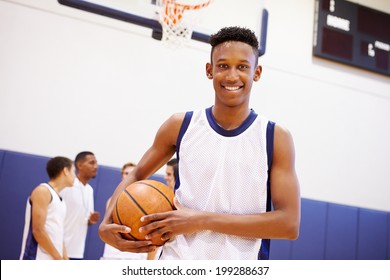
x=139 y=199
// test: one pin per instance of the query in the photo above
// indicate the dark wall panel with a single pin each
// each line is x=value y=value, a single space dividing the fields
x=373 y=235
x=341 y=232
x=20 y=174
x=311 y=242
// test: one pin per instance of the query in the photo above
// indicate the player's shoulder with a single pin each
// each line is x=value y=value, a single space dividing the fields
x=283 y=138
x=176 y=119
x=41 y=190
x=179 y=116
x=282 y=131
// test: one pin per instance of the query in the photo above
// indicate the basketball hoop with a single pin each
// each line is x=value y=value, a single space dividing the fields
x=177 y=27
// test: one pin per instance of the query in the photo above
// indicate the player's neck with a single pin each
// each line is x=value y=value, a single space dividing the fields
x=83 y=179
x=56 y=185
x=230 y=118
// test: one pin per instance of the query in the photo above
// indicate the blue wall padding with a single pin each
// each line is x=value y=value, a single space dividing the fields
x=373 y=232
x=328 y=230
x=2 y=153
x=311 y=242
x=388 y=236
x=341 y=232
x=20 y=174
x=280 y=249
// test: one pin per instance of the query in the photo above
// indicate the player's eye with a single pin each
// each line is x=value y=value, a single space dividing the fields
x=243 y=67
x=222 y=66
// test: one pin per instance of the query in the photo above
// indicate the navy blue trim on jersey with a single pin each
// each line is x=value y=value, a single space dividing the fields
x=266 y=243
x=230 y=133
x=31 y=246
x=183 y=129
x=55 y=192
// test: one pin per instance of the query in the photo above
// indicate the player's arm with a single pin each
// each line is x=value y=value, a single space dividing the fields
x=282 y=222
x=40 y=200
x=162 y=149
x=285 y=190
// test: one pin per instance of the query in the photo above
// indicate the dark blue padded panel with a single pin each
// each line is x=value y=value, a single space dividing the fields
x=388 y=236
x=107 y=180
x=341 y=233
x=280 y=249
x=373 y=235
x=311 y=242
x=2 y=153
x=20 y=174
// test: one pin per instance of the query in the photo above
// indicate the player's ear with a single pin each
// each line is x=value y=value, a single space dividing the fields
x=257 y=74
x=209 y=70
x=66 y=171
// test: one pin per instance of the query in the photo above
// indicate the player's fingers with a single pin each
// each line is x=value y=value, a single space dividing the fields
x=119 y=228
x=125 y=229
x=135 y=246
x=149 y=227
x=154 y=217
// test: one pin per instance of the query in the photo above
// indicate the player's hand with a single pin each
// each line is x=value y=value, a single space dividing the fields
x=110 y=234
x=166 y=225
x=94 y=218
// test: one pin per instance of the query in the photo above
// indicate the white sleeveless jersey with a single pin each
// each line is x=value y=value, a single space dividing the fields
x=224 y=171
x=54 y=227
x=80 y=204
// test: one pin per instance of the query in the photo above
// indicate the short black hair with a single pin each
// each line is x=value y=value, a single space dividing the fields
x=55 y=166
x=235 y=33
x=82 y=155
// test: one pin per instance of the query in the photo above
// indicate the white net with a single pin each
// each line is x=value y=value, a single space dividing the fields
x=178 y=18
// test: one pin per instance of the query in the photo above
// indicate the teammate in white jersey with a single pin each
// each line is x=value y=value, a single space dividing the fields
x=43 y=236
x=79 y=199
x=236 y=186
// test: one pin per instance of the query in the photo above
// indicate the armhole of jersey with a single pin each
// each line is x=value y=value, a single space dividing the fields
x=183 y=129
x=270 y=154
x=51 y=194
x=270 y=142
x=266 y=243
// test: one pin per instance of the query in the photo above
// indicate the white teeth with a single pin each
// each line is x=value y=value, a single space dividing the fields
x=232 y=88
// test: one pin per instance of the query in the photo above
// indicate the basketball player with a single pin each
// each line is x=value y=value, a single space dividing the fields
x=170 y=173
x=43 y=236
x=231 y=162
x=80 y=206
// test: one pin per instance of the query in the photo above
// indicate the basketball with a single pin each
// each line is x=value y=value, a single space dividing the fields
x=139 y=199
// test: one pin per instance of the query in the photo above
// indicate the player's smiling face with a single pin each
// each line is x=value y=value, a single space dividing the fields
x=233 y=70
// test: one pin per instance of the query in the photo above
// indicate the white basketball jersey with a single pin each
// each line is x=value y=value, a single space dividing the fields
x=54 y=227
x=223 y=171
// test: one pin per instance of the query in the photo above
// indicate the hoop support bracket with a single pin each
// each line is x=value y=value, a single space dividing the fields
x=154 y=24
